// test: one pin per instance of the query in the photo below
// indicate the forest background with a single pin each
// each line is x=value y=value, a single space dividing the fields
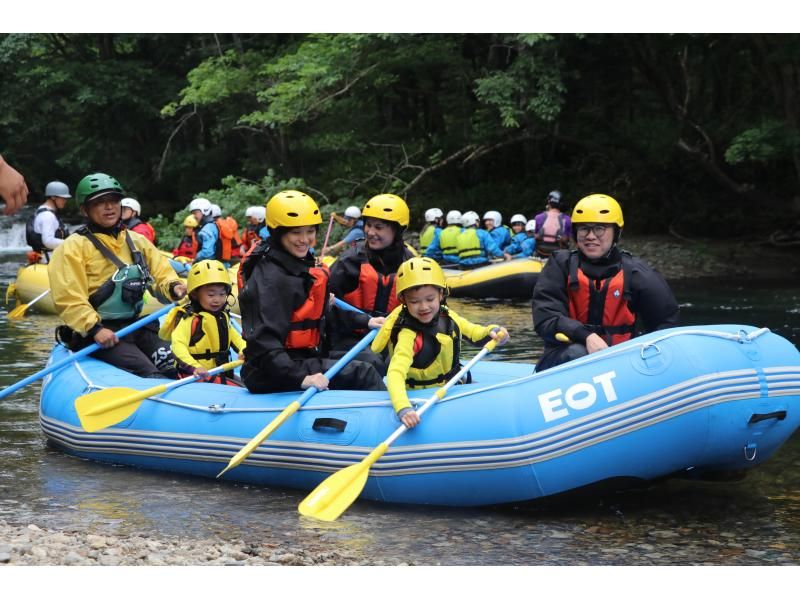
x=695 y=134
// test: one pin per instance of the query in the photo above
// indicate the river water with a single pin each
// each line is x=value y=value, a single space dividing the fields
x=751 y=521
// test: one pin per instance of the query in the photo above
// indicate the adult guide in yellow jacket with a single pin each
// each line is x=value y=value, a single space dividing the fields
x=78 y=269
x=424 y=355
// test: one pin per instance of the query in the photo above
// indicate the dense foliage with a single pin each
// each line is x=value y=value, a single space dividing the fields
x=693 y=131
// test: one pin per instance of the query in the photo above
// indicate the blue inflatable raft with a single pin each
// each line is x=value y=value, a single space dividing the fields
x=699 y=399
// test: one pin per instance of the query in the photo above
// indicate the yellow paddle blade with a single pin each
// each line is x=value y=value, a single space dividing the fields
x=338 y=491
x=18 y=312
x=248 y=448
x=104 y=408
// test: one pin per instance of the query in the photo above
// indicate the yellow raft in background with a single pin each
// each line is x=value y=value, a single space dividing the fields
x=32 y=280
x=513 y=279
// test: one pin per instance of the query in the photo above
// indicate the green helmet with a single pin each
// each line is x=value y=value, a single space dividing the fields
x=95 y=185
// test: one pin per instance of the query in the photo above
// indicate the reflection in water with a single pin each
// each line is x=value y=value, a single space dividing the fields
x=756 y=520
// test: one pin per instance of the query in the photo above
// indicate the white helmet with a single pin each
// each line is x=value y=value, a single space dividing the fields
x=352 y=212
x=216 y=211
x=202 y=204
x=494 y=217
x=131 y=203
x=260 y=212
x=453 y=217
x=56 y=189
x=432 y=214
x=470 y=219
x=530 y=226
x=518 y=218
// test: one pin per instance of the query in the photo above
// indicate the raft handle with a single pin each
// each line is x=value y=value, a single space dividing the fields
x=748 y=448
x=327 y=424
x=759 y=417
x=650 y=346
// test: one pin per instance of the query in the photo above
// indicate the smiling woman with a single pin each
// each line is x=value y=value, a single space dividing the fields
x=284 y=305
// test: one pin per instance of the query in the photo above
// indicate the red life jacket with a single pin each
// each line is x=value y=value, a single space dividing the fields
x=602 y=305
x=375 y=293
x=187 y=247
x=240 y=274
x=144 y=228
x=306 y=322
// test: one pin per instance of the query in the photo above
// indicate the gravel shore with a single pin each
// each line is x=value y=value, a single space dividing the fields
x=31 y=545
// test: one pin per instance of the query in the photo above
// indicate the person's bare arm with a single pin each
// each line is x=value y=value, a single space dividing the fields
x=12 y=188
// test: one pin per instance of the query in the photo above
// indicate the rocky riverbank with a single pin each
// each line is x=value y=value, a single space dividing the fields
x=31 y=545
x=679 y=259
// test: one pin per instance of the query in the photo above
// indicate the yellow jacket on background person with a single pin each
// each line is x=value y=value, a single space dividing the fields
x=423 y=356
x=78 y=269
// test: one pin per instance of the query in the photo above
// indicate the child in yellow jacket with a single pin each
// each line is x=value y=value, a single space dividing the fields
x=423 y=335
x=201 y=331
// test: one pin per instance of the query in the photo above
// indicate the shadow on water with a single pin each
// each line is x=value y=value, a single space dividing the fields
x=752 y=521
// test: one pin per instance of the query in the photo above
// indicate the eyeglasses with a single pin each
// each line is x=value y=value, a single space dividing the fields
x=598 y=229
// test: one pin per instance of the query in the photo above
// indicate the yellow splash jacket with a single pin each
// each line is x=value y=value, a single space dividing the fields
x=423 y=355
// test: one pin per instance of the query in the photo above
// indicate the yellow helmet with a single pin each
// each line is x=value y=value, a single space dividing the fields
x=292 y=208
x=387 y=207
x=190 y=221
x=598 y=208
x=207 y=272
x=419 y=271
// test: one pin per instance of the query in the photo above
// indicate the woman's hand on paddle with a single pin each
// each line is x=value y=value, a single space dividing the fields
x=376 y=322
x=318 y=381
x=106 y=338
x=595 y=343
x=201 y=373
x=497 y=332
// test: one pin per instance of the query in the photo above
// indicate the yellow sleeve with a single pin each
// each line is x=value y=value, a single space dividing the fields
x=237 y=342
x=180 y=342
x=69 y=285
x=157 y=262
x=398 y=369
x=474 y=332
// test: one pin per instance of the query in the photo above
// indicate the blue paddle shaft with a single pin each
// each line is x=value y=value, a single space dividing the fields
x=83 y=352
x=336 y=367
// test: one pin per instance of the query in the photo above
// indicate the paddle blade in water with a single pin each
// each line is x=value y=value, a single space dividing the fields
x=337 y=492
x=104 y=408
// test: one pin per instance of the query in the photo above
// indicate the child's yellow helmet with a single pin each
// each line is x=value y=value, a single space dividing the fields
x=207 y=272
x=419 y=271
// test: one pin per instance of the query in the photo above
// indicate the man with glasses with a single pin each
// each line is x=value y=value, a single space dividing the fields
x=597 y=295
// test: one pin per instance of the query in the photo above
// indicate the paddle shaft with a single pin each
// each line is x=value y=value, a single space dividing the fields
x=161 y=388
x=439 y=394
x=290 y=409
x=83 y=352
x=35 y=299
x=327 y=236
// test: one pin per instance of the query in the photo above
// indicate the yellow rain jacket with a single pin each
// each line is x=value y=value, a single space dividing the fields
x=423 y=356
x=206 y=343
x=77 y=269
